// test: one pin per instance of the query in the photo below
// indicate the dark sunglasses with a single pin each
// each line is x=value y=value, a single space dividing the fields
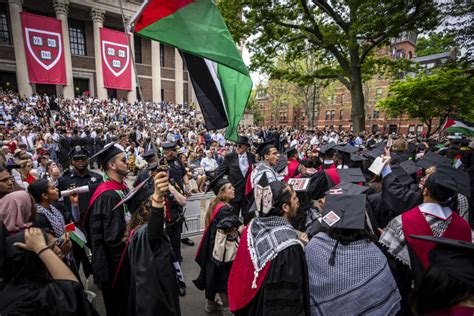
x=79 y=158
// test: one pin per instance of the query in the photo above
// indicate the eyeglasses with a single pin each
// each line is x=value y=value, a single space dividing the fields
x=79 y=158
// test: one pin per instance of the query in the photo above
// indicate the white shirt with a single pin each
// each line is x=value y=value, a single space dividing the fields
x=243 y=164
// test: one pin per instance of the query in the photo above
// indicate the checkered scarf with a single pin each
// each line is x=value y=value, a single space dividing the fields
x=55 y=218
x=268 y=236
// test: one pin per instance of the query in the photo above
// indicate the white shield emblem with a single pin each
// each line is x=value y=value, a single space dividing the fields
x=116 y=57
x=44 y=46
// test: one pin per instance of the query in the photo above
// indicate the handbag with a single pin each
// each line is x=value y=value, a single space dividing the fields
x=225 y=246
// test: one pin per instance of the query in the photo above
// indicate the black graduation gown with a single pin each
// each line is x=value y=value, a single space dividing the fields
x=214 y=275
x=106 y=230
x=59 y=297
x=153 y=284
x=285 y=290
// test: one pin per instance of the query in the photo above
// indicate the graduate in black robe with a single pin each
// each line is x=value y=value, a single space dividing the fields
x=269 y=275
x=153 y=282
x=214 y=274
x=38 y=281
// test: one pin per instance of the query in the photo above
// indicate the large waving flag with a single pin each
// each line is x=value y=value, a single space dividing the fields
x=458 y=126
x=219 y=76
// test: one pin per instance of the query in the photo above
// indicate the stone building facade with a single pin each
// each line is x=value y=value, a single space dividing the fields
x=161 y=73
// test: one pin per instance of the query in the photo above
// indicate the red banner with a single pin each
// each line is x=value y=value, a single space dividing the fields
x=44 y=49
x=115 y=60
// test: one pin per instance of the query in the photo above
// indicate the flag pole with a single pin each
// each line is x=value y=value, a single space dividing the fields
x=140 y=91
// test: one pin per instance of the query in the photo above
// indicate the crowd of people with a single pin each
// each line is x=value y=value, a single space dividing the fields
x=303 y=222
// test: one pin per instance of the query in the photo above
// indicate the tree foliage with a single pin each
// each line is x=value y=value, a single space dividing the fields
x=446 y=92
x=342 y=34
x=435 y=43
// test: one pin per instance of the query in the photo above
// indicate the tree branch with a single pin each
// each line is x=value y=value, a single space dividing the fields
x=323 y=5
x=373 y=43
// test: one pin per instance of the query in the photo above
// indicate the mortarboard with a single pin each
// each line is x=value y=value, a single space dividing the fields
x=375 y=152
x=282 y=163
x=264 y=147
x=317 y=187
x=353 y=175
x=455 y=257
x=169 y=146
x=402 y=175
x=356 y=157
x=348 y=188
x=78 y=152
x=217 y=183
x=410 y=167
x=431 y=159
x=344 y=211
x=347 y=149
x=149 y=154
x=107 y=153
x=327 y=147
x=291 y=150
x=450 y=178
x=136 y=196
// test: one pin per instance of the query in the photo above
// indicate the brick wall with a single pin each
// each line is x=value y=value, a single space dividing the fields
x=7 y=52
x=169 y=93
x=146 y=85
x=146 y=51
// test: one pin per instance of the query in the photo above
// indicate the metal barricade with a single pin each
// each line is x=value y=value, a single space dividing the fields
x=195 y=213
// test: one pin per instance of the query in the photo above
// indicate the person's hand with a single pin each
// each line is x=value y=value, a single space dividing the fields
x=66 y=246
x=34 y=240
x=303 y=237
x=161 y=185
x=74 y=198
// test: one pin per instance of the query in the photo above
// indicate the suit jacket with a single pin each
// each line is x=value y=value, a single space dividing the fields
x=230 y=166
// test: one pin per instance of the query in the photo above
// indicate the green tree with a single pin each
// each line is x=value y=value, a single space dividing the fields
x=435 y=43
x=342 y=34
x=446 y=92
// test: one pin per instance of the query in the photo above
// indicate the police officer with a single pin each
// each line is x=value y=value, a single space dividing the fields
x=79 y=176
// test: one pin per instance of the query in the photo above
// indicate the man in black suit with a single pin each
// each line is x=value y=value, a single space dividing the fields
x=238 y=166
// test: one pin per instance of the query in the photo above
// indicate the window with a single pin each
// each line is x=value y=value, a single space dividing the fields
x=342 y=99
x=378 y=93
x=376 y=114
x=77 y=37
x=341 y=114
x=162 y=95
x=351 y=128
x=4 y=26
x=137 y=43
x=333 y=115
x=162 y=55
x=328 y=115
x=419 y=130
x=411 y=129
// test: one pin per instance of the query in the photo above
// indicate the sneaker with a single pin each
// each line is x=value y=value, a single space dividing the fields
x=212 y=307
x=226 y=312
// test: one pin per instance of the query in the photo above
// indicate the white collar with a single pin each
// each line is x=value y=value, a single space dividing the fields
x=436 y=210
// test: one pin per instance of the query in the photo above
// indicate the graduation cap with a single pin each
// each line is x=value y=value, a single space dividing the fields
x=410 y=167
x=263 y=148
x=107 y=153
x=450 y=178
x=348 y=188
x=291 y=150
x=344 y=211
x=402 y=175
x=352 y=175
x=347 y=149
x=431 y=159
x=327 y=147
x=136 y=195
x=169 y=146
x=317 y=187
x=357 y=158
x=375 y=152
x=281 y=164
x=217 y=183
x=455 y=257
x=149 y=154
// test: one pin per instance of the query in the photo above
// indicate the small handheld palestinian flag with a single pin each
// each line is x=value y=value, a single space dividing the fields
x=76 y=234
x=218 y=74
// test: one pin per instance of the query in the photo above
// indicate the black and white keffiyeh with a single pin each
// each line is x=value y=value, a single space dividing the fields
x=268 y=236
x=55 y=218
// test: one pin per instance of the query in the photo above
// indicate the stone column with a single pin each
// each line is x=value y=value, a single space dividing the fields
x=156 y=71
x=132 y=94
x=22 y=79
x=178 y=77
x=62 y=9
x=97 y=16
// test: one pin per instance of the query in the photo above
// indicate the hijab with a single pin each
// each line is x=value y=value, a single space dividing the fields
x=15 y=210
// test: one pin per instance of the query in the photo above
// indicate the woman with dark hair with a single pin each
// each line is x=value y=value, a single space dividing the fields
x=38 y=281
x=348 y=274
x=47 y=216
x=214 y=274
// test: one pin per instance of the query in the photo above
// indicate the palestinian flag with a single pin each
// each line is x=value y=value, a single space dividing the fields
x=219 y=76
x=76 y=234
x=458 y=126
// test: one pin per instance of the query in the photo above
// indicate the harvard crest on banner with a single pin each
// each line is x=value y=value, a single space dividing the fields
x=116 y=61
x=44 y=49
